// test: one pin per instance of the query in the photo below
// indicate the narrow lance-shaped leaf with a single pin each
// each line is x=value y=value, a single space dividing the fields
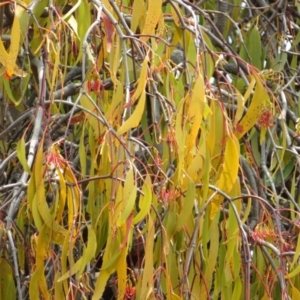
x=38 y=280
x=138 y=9
x=122 y=267
x=259 y=100
x=110 y=257
x=21 y=153
x=195 y=113
x=212 y=258
x=88 y=254
x=134 y=120
x=45 y=213
x=229 y=171
x=187 y=208
x=144 y=201
x=141 y=81
x=147 y=281
x=152 y=18
x=128 y=200
x=180 y=139
x=8 y=60
x=7 y=286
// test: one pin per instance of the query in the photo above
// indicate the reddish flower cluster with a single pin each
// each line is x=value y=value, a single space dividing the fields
x=261 y=233
x=266 y=119
x=167 y=195
x=94 y=85
x=239 y=128
x=54 y=159
x=130 y=292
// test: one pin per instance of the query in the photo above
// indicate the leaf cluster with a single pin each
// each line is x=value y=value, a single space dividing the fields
x=149 y=149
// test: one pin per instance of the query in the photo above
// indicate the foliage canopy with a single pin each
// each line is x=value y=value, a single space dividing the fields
x=149 y=149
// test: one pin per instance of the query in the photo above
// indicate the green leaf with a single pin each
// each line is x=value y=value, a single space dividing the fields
x=144 y=201
x=38 y=280
x=88 y=254
x=7 y=284
x=187 y=206
x=101 y=283
x=129 y=197
x=254 y=48
x=147 y=276
x=21 y=154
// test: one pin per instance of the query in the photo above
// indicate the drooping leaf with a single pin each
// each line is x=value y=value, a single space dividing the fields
x=88 y=254
x=21 y=153
x=259 y=100
x=7 y=286
x=135 y=118
x=152 y=18
x=144 y=201
x=138 y=9
x=253 y=48
x=129 y=197
x=147 y=279
x=109 y=31
x=101 y=283
x=122 y=268
x=229 y=171
x=195 y=113
x=8 y=60
x=38 y=280
x=141 y=81
x=188 y=203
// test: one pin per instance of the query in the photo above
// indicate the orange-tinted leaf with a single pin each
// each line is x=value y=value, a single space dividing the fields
x=109 y=31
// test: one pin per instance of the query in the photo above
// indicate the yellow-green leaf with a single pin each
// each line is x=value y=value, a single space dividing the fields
x=294 y=272
x=147 y=281
x=188 y=204
x=295 y=293
x=259 y=100
x=254 y=48
x=152 y=18
x=196 y=109
x=7 y=284
x=56 y=63
x=134 y=120
x=138 y=10
x=21 y=153
x=175 y=15
x=94 y=122
x=38 y=280
x=129 y=197
x=14 y=47
x=47 y=217
x=89 y=251
x=249 y=88
x=122 y=269
x=88 y=254
x=101 y=283
x=180 y=139
x=141 y=81
x=145 y=201
x=229 y=171
x=297 y=252
x=212 y=258
x=240 y=107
